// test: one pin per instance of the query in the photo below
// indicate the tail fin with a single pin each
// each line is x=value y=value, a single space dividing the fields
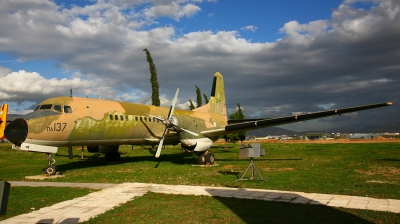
x=3 y=119
x=217 y=103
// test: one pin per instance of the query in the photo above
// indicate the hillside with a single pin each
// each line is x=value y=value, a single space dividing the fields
x=390 y=127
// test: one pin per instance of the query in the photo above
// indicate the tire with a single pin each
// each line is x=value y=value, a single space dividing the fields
x=201 y=159
x=50 y=170
x=210 y=159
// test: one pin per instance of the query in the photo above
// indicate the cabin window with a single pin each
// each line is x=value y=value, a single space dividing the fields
x=141 y=119
x=149 y=119
x=136 y=118
x=67 y=109
x=121 y=117
x=145 y=119
x=116 y=117
x=37 y=108
x=126 y=118
x=111 y=117
x=57 y=108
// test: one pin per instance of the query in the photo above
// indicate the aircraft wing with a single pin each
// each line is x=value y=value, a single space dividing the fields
x=233 y=121
x=268 y=122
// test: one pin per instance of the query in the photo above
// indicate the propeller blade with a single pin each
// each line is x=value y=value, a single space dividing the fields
x=160 y=145
x=190 y=132
x=171 y=111
x=179 y=129
x=158 y=118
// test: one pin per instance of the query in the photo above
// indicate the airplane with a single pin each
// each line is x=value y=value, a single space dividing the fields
x=3 y=119
x=103 y=125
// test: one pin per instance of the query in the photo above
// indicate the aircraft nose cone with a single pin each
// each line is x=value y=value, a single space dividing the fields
x=16 y=131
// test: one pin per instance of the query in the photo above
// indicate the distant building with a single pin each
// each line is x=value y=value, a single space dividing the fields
x=363 y=136
x=267 y=137
x=313 y=136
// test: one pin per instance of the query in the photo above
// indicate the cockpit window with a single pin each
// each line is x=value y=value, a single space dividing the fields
x=67 y=109
x=57 y=108
x=45 y=107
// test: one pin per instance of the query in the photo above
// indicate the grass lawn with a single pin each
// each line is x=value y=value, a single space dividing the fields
x=350 y=169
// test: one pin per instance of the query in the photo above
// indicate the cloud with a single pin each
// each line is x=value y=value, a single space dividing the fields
x=251 y=28
x=171 y=9
x=28 y=86
x=349 y=59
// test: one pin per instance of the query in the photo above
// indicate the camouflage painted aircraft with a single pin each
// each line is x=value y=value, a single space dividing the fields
x=103 y=125
x=3 y=119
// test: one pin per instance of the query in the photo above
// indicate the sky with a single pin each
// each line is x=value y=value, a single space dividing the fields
x=278 y=58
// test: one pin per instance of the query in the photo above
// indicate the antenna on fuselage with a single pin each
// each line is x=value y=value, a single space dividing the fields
x=70 y=92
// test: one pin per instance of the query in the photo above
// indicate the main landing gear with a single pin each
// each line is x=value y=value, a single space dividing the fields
x=206 y=158
x=51 y=169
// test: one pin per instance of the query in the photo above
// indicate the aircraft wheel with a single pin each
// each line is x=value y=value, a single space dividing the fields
x=210 y=159
x=50 y=170
x=201 y=160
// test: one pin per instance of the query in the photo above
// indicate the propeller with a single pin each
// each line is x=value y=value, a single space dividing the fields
x=170 y=124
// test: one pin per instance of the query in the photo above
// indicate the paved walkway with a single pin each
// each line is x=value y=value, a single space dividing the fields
x=83 y=208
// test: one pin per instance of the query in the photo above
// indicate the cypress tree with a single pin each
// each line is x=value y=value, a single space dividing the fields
x=239 y=135
x=205 y=99
x=199 y=100
x=240 y=115
x=155 y=95
x=191 y=106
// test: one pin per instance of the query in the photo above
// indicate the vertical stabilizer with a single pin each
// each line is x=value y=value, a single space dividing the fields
x=217 y=103
x=3 y=119
x=217 y=99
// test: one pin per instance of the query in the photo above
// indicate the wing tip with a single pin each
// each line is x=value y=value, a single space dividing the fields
x=389 y=103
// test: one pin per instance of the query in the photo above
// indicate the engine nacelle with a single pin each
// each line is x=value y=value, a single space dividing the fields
x=197 y=145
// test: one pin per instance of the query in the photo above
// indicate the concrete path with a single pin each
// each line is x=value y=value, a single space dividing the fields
x=93 y=204
x=59 y=184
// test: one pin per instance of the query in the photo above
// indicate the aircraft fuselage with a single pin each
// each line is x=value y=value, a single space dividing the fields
x=73 y=121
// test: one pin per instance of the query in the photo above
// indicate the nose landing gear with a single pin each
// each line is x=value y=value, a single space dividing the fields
x=51 y=169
